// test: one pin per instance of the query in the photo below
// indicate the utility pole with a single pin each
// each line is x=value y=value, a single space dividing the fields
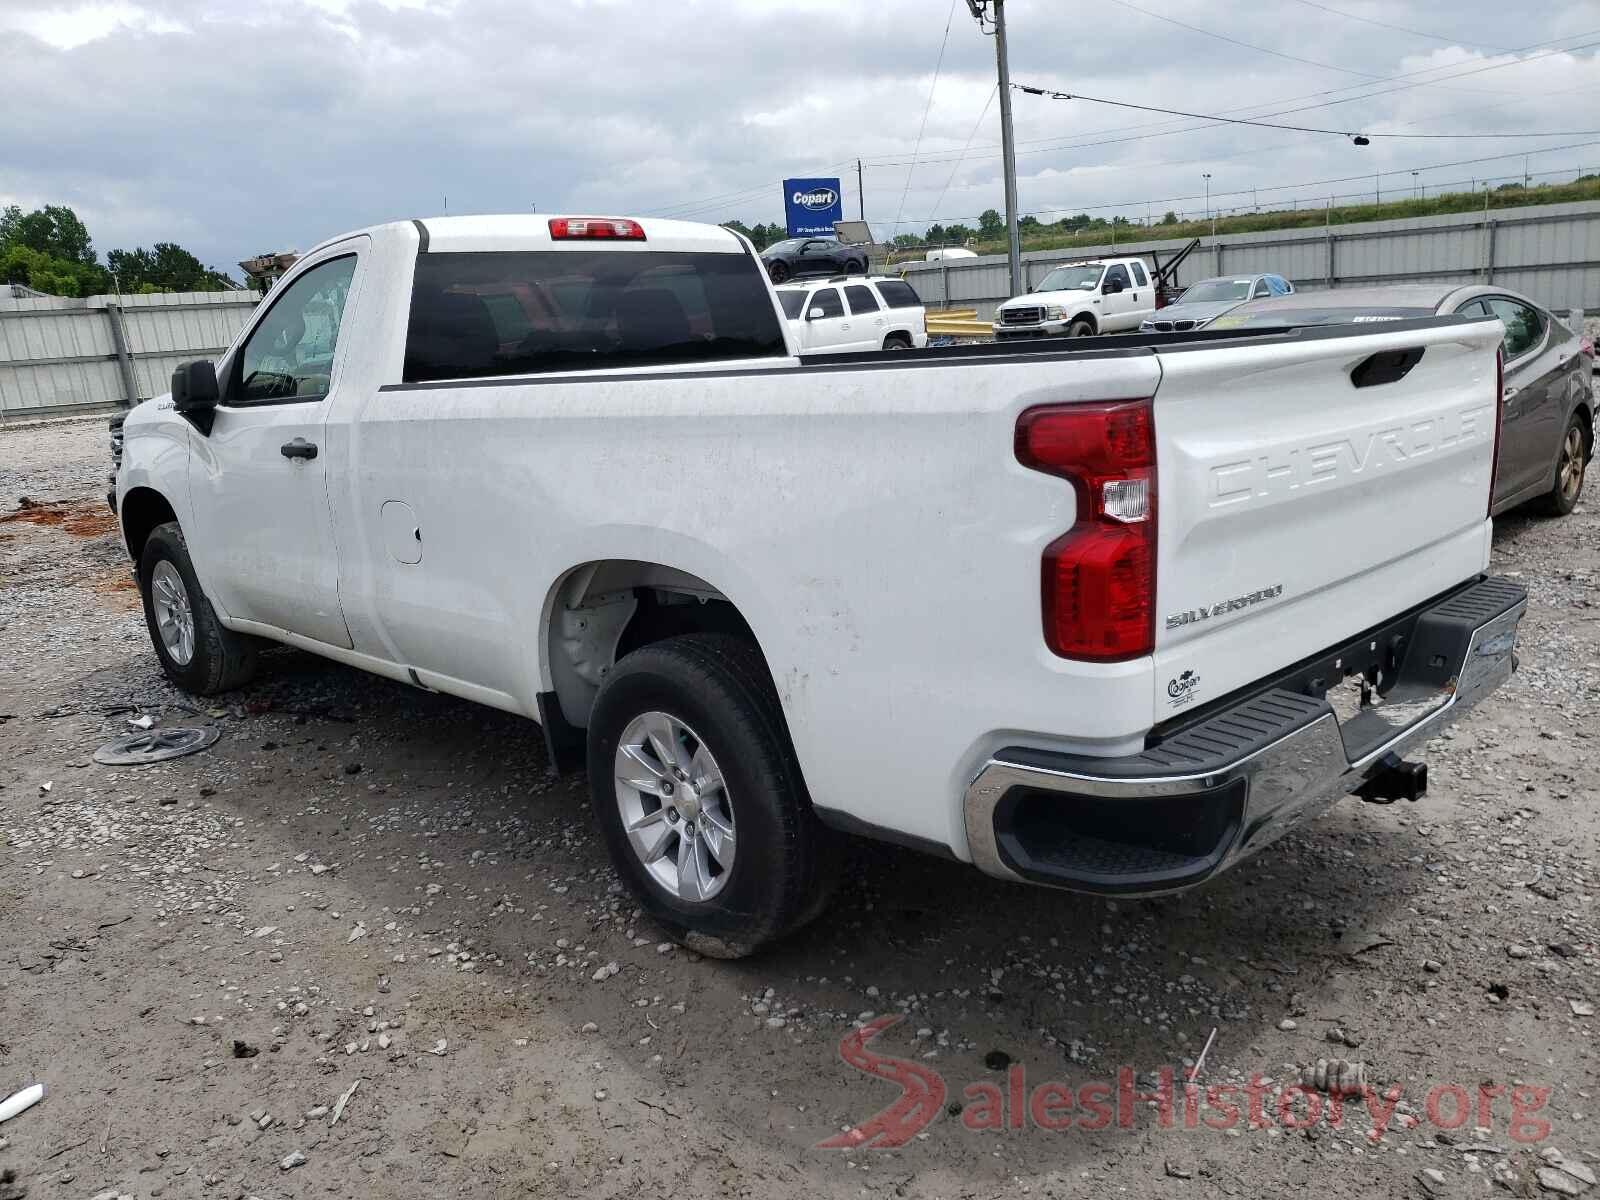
x=1209 y=213
x=979 y=10
x=861 y=193
x=1416 y=184
x=1008 y=148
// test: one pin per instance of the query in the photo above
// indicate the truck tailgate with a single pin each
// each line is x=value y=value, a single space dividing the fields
x=1296 y=508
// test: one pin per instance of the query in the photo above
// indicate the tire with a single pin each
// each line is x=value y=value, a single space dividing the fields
x=1571 y=461
x=210 y=659
x=897 y=341
x=1081 y=328
x=854 y=268
x=710 y=698
x=779 y=272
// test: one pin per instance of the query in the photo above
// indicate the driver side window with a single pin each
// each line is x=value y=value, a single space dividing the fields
x=1117 y=274
x=289 y=356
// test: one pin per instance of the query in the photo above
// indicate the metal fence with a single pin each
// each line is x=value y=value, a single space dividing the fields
x=61 y=356
x=1549 y=252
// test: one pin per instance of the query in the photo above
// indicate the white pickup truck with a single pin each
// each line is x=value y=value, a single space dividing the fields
x=1109 y=295
x=1107 y=617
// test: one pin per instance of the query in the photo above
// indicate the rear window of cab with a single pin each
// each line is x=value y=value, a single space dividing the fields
x=478 y=315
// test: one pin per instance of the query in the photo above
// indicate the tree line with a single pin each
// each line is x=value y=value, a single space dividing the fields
x=49 y=250
x=991 y=225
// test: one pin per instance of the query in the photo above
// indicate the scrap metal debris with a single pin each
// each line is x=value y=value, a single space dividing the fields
x=141 y=749
x=338 y=1105
x=21 y=1102
x=1338 y=1077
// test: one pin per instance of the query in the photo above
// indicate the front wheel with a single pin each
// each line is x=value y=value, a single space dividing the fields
x=1080 y=328
x=1563 y=495
x=194 y=649
x=698 y=793
x=779 y=272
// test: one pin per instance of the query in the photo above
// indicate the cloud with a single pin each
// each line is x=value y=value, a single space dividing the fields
x=236 y=128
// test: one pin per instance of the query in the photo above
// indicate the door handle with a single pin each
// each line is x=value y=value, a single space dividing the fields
x=299 y=448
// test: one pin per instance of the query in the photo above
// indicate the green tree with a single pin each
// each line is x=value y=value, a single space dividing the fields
x=166 y=268
x=958 y=234
x=936 y=233
x=48 y=250
x=906 y=240
x=54 y=230
x=991 y=224
x=1170 y=218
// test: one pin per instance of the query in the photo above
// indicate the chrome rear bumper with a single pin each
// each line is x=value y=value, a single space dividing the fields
x=1235 y=780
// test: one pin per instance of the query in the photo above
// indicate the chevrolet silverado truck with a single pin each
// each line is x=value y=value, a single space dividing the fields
x=1107 y=617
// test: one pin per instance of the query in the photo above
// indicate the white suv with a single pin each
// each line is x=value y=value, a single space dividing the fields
x=854 y=313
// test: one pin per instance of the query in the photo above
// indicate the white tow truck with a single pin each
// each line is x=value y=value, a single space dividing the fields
x=1108 y=295
x=1104 y=616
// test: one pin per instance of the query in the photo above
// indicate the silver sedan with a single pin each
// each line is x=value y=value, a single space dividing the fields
x=1547 y=427
x=1204 y=302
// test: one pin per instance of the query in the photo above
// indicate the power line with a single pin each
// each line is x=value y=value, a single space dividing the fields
x=993 y=92
x=1307 y=183
x=927 y=108
x=1400 y=28
x=1222 y=37
x=1360 y=139
x=1167 y=128
x=1161 y=128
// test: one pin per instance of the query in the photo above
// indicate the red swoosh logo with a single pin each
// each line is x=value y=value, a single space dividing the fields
x=922 y=1093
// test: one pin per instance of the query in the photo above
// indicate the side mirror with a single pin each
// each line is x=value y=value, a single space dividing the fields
x=1112 y=287
x=195 y=393
x=816 y=314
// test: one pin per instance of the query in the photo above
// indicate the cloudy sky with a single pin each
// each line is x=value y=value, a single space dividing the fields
x=241 y=126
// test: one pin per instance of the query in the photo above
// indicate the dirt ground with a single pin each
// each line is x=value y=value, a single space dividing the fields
x=362 y=883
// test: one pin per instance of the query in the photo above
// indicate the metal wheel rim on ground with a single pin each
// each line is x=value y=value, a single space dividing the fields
x=174 y=617
x=675 y=807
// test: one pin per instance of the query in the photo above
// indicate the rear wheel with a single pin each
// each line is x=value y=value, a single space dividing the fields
x=779 y=272
x=195 y=650
x=897 y=341
x=1570 y=464
x=854 y=268
x=699 y=796
x=1081 y=328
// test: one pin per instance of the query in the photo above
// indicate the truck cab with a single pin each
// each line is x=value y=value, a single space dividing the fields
x=1109 y=295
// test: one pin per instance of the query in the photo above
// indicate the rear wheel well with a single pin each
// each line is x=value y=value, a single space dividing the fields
x=1587 y=419
x=142 y=510
x=602 y=611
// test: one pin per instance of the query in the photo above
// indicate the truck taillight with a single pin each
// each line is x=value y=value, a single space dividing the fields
x=1499 y=419
x=607 y=229
x=1099 y=578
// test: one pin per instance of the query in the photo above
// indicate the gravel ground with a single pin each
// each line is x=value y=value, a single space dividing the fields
x=361 y=883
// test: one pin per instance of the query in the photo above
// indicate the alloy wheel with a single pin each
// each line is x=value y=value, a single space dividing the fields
x=675 y=806
x=174 y=616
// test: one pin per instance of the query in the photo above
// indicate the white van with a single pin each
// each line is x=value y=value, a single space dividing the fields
x=1080 y=300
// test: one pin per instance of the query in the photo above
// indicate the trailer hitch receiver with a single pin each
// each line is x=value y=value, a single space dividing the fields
x=1392 y=779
